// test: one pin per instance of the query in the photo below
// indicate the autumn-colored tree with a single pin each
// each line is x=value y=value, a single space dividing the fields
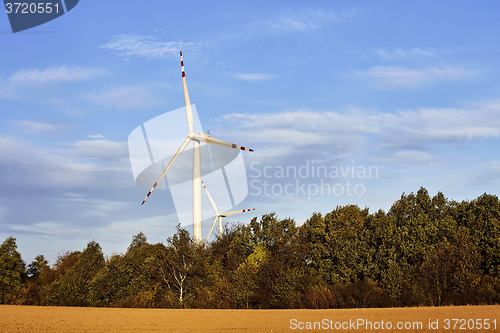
x=39 y=275
x=130 y=280
x=482 y=218
x=423 y=251
x=450 y=271
x=76 y=270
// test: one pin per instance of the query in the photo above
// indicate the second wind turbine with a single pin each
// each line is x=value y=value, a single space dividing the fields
x=196 y=138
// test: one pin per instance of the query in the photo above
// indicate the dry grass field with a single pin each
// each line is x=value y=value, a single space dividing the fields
x=67 y=319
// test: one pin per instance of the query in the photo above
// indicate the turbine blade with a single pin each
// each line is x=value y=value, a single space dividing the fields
x=214 y=141
x=220 y=226
x=236 y=212
x=211 y=228
x=179 y=151
x=210 y=198
x=187 y=102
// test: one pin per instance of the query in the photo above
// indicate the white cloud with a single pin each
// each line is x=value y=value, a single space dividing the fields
x=132 y=45
x=302 y=21
x=443 y=124
x=58 y=229
x=55 y=74
x=410 y=157
x=83 y=164
x=255 y=77
x=398 y=77
x=40 y=127
x=124 y=229
x=126 y=97
x=404 y=54
x=32 y=83
x=65 y=194
x=302 y=132
x=102 y=149
x=97 y=136
x=397 y=135
x=26 y=163
x=309 y=121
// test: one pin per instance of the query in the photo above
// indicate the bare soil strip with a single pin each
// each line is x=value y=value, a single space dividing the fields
x=68 y=319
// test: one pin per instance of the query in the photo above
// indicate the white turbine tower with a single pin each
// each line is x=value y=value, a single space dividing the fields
x=196 y=138
x=219 y=216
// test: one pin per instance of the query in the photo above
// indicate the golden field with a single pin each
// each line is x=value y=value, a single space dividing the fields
x=15 y=318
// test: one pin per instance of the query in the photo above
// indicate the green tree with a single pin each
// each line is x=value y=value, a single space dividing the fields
x=130 y=280
x=75 y=272
x=279 y=262
x=335 y=246
x=232 y=277
x=183 y=269
x=381 y=240
x=12 y=270
x=482 y=218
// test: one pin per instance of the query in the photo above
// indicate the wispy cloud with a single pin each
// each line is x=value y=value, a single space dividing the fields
x=88 y=183
x=58 y=229
x=31 y=83
x=255 y=77
x=405 y=54
x=302 y=21
x=97 y=136
x=443 y=125
x=126 y=97
x=55 y=74
x=398 y=77
x=78 y=165
x=133 y=45
x=103 y=149
x=409 y=157
x=302 y=133
x=40 y=127
x=347 y=133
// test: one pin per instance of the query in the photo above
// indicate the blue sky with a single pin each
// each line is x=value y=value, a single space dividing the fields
x=408 y=89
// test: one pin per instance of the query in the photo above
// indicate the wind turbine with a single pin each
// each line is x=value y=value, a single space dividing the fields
x=219 y=216
x=196 y=138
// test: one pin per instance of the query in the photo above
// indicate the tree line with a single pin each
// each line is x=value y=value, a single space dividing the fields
x=424 y=251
